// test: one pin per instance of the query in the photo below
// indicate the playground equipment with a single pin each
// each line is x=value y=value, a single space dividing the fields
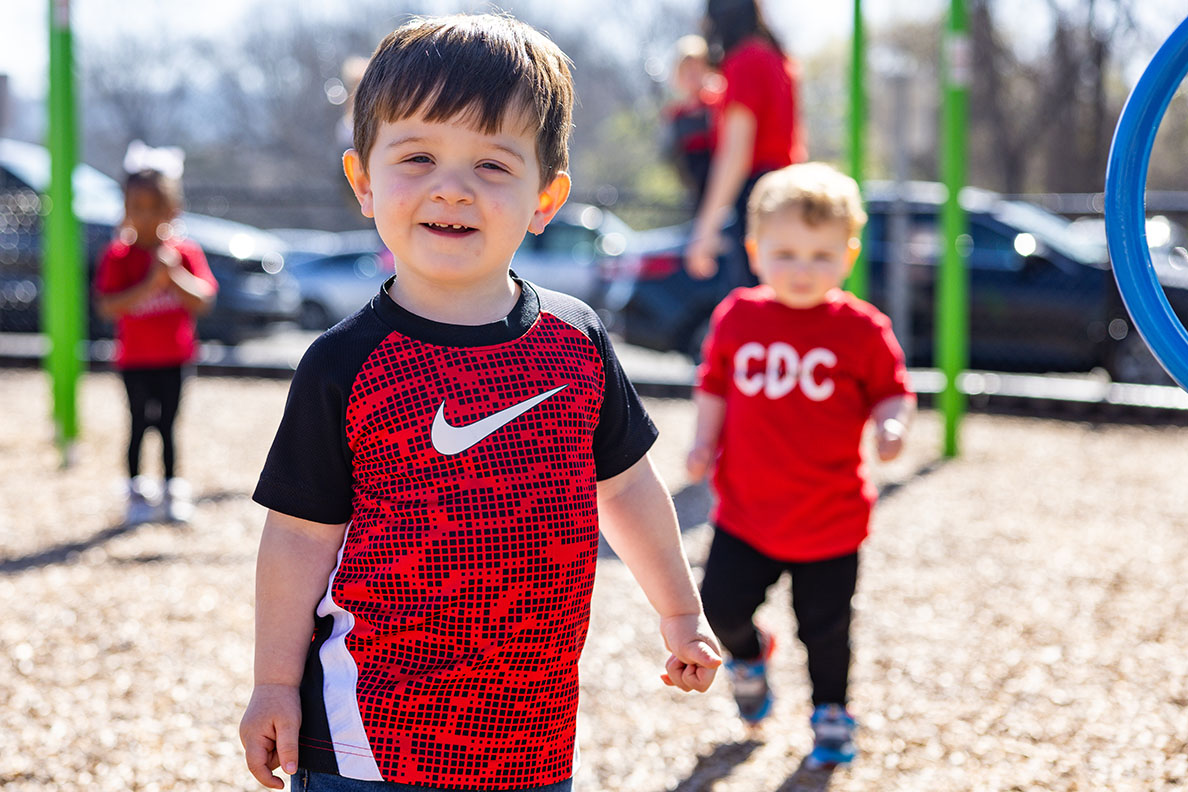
x=64 y=308
x=1126 y=181
x=952 y=320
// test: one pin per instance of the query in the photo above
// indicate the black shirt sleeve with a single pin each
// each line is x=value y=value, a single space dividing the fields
x=625 y=431
x=308 y=472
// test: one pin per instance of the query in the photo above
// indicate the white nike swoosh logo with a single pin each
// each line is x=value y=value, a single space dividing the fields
x=450 y=440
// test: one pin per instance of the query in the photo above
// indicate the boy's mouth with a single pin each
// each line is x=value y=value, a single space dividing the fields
x=453 y=229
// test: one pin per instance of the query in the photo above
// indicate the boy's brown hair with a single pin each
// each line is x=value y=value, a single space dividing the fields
x=486 y=68
x=819 y=192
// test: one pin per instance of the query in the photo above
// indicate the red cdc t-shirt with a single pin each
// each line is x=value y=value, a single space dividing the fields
x=762 y=80
x=159 y=331
x=799 y=386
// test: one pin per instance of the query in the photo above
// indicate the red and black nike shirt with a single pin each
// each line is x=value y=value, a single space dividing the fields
x=464 y=460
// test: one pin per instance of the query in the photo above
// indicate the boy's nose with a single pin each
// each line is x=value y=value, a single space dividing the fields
x=452 y=189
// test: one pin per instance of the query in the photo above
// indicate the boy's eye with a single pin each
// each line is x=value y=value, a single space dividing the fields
x=419 y=159
x=495 y=166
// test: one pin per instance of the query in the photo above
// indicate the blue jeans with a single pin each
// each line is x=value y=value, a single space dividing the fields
x=305 y=781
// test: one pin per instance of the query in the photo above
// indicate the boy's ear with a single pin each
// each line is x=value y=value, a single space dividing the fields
x=352 y=166
x=552 y=198
x=853 y=248
x=752 y=248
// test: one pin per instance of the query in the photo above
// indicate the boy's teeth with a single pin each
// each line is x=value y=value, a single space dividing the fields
x=453 y=226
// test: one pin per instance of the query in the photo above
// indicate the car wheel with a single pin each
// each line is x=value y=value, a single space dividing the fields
x=1133 y=361
x=313 y=316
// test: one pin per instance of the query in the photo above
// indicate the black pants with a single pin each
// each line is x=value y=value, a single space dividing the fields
x=737 y=577
x=153 y=398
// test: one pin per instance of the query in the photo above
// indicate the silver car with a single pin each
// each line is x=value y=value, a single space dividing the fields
x=339 y=272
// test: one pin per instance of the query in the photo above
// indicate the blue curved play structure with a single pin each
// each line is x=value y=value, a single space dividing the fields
x=1125 y=188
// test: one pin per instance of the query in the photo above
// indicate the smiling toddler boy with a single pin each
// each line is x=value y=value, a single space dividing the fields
x=448 y=454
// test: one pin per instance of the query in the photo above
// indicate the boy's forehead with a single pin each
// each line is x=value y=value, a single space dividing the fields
x=795 y=214
x=517 y=130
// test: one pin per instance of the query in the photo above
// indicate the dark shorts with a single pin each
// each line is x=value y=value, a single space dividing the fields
x=305 y=781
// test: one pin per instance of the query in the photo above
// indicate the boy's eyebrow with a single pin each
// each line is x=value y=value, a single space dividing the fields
x=510 y=151
x=400 y=141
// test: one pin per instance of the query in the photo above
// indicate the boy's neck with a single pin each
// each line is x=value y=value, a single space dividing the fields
x=833 y=295
x=473 y=304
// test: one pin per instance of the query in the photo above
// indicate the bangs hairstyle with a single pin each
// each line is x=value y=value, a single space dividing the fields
x=819 y=192
x=484 y=69
x=167 y=188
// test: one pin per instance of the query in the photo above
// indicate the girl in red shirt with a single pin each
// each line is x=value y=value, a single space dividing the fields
x=756 y=129
x=153 y=284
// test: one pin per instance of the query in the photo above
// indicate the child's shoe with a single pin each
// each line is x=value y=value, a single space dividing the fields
x=178 y=503
x=833 y=737
x=140 y=507
x=748 y=680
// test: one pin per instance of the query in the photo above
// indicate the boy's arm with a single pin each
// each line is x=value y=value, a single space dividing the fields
x=892 y=417
x=293 y=567
x=711 y=411
x=637 y=518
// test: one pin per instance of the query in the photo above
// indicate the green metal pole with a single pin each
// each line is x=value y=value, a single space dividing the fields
x=857 y=283
x=62 y=299
x=952 y=310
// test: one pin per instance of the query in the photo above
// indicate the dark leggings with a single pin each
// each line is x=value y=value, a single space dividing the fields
x=737 y=577
x=153 y=398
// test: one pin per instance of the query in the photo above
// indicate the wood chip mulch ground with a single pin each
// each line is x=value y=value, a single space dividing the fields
x=1022 y=616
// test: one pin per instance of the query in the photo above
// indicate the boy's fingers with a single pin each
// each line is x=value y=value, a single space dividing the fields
x=286 y=748
x=261 y=760
x=674 y=673
x=701 y=653
x=698 y=678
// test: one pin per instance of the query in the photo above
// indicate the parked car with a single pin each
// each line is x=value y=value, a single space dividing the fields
x=337 y=273
x=340 y=272
x=575 y=252
x=1042 y=298
x=1166 y=238
x=249 y=265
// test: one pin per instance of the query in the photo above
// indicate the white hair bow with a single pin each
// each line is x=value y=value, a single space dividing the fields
x=169 y=161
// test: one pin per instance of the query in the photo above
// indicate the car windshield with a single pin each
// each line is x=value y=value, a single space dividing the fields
x=1052 y=229
x=97 y=197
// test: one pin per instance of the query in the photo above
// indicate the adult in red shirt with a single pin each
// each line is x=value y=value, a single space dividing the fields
x=756 y=131
x=153 y=285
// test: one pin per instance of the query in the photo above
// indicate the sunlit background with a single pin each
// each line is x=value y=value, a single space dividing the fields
x=253 y=90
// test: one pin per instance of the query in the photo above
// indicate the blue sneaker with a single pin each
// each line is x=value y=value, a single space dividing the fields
x=748 y=681
x=833 y=737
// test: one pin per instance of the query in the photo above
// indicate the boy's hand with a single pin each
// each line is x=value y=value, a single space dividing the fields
x=695 y=654
x=269 y=731
x=889 y=438
x=698 y=463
